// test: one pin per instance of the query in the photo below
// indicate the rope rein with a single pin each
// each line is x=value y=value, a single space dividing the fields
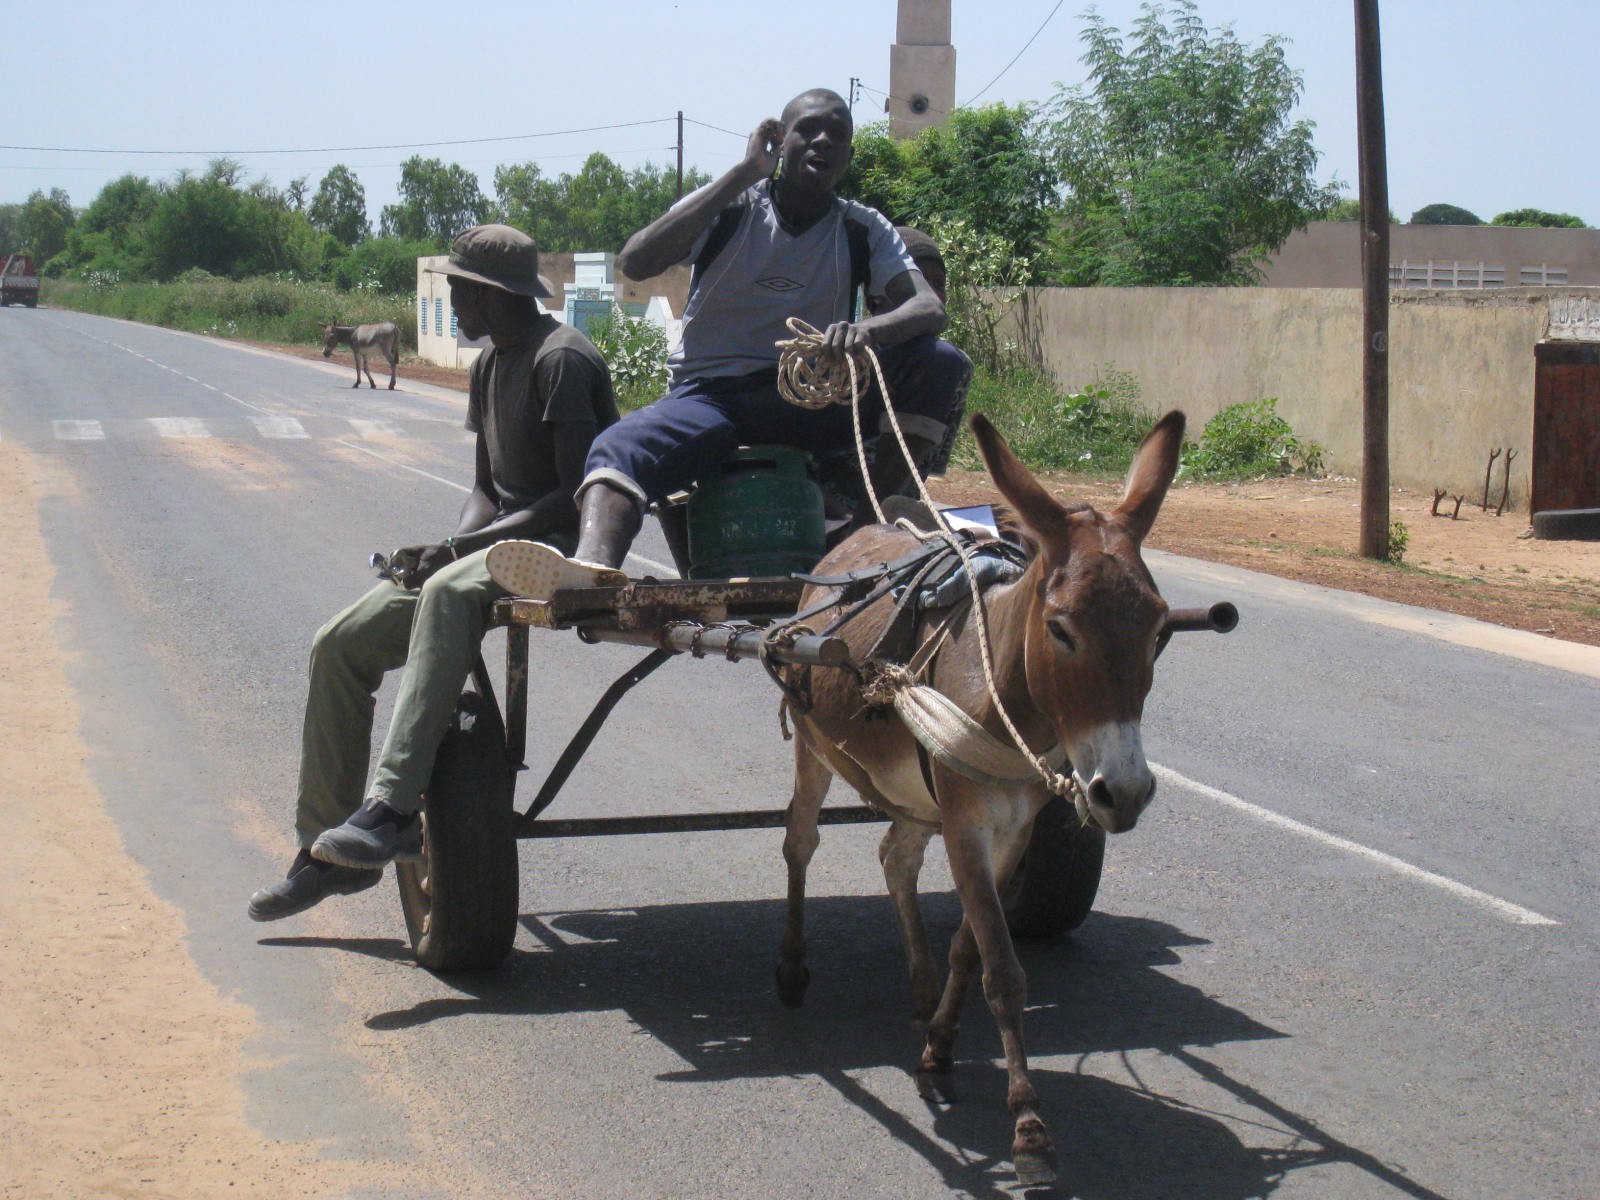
x=807 y=380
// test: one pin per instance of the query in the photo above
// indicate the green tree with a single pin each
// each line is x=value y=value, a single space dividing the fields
x=597 y=209
x=1537 y=218
x=985 y=278
x=44 y=224
x=1444 y=214
x=1347 y=208
x=205 y=223
x=1181 y=163
x=436 y=203
x=110 y=236
x=340 y=206
x=985 y=168
x=10 y=229
x=382 y=264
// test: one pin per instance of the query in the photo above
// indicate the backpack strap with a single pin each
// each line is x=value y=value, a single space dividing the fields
x=721 y=233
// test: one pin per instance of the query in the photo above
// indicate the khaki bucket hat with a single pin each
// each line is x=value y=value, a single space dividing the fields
x=499 y=256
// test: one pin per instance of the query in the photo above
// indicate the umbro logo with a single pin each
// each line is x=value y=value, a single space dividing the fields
x=778 y=283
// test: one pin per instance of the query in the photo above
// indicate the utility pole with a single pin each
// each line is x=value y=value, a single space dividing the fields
x=855 y=89
x=680 y=154
x=1374 y=171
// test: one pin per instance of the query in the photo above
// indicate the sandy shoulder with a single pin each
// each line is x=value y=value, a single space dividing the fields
x=120 y=1074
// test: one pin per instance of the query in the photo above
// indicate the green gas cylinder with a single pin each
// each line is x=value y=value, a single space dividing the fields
x=758 y=514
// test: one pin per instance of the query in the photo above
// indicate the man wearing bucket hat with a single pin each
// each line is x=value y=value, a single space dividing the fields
x=768 y=240
x=537 y=398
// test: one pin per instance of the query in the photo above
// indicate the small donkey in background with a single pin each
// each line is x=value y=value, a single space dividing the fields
x=363 y=340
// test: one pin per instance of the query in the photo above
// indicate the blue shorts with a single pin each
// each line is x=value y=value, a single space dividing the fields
x=664 y=448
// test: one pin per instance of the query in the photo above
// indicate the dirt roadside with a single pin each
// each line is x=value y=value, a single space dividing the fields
x=121 y=1069
x=1475 y=564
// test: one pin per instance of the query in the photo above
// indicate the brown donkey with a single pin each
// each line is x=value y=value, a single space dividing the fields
x=1073 y=643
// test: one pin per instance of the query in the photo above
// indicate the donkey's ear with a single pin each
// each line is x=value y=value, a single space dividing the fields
x=1154 y=465
x=1035 y=509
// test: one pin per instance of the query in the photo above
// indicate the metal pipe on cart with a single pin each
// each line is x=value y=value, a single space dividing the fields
x=733 y=642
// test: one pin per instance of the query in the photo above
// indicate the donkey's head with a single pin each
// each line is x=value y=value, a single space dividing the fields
x=1092 y=619
x=330 y=339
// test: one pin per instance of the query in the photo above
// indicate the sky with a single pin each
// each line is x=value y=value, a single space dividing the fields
x=1489 y=105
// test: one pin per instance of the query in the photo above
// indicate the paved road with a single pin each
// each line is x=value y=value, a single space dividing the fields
x=1350 y=953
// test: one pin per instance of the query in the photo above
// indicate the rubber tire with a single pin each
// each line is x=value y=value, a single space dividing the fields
x=460 y=901
x=1053 y=889
x=1568 y=524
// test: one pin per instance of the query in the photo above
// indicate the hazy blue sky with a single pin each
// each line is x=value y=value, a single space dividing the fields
x=1491 y=105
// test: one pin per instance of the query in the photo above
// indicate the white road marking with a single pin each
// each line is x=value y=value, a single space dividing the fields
x=279 y=427
x=1500 y=908
x=180 y=427
x=79 y=431
x=367 y=428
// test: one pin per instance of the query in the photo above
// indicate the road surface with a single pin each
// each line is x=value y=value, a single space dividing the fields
x=1350 y=952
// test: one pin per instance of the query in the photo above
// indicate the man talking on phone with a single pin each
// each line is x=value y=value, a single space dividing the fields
x=769 y=240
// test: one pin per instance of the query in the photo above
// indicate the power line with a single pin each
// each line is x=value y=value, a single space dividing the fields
x=515 y=137
x=718 y=128
x=1019 y=53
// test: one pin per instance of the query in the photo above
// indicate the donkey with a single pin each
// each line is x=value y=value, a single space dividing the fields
x=363 y=340
x=1073 y=643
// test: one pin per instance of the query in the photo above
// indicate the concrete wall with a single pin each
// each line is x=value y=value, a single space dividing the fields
x=1461 y=364
x=1328 y=253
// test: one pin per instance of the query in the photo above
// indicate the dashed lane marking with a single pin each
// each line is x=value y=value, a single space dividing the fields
x=79 y=431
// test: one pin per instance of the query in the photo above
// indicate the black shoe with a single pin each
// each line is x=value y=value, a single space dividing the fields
x=374 y=836
x=306 y=885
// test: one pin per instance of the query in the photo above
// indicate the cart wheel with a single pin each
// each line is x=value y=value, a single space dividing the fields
x=1053 y=888
x=460 y=898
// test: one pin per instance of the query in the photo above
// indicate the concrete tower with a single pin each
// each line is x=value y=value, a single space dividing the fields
x=922 y=68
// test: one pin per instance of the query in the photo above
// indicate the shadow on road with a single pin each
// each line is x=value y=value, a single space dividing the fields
x=699 y=978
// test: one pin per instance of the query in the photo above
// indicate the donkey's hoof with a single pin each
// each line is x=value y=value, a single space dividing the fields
x=936 y=1083
x=1036 y=1168
x=793 y=979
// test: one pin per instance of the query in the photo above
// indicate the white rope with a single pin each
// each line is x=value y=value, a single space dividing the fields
x=809 y=380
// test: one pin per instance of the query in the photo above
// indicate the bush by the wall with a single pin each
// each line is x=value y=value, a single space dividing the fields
x=1248 y=441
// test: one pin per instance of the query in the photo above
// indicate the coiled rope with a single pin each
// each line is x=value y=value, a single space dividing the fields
x=812 y=381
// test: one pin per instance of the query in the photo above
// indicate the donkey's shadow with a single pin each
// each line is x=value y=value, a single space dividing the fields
x=698 y=977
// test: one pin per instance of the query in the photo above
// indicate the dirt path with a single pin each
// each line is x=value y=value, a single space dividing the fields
x=120 y=1075
x=1479 y=565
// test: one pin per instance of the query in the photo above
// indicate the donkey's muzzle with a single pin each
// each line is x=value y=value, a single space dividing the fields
x=1115 y=805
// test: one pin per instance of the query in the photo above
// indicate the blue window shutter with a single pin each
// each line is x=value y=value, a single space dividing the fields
x=438 y=316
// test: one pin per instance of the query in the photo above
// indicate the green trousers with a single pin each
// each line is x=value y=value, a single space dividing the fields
x=433 y=632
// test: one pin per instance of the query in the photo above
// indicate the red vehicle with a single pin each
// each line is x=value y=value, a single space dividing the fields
x=19 y=284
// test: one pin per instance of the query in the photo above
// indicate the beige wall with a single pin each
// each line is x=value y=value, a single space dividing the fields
x=1328 y=253
x=1461 y=365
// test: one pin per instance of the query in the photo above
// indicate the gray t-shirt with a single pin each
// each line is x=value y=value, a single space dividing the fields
x=517 y=393
x=765 y=273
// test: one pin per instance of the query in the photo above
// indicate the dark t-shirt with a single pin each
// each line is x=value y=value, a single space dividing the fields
x=517 y=393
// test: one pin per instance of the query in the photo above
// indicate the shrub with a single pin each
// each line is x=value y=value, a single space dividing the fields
x=1094 y=429
x=266 y=308
x=1247 y=441
x=1399 y=539
x=636 y=352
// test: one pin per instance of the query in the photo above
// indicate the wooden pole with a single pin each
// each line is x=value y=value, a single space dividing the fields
x=680 y=154
x=1374 y=170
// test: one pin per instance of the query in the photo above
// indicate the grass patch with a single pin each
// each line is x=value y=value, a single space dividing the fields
x=1092 y=431
x=264 y=309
